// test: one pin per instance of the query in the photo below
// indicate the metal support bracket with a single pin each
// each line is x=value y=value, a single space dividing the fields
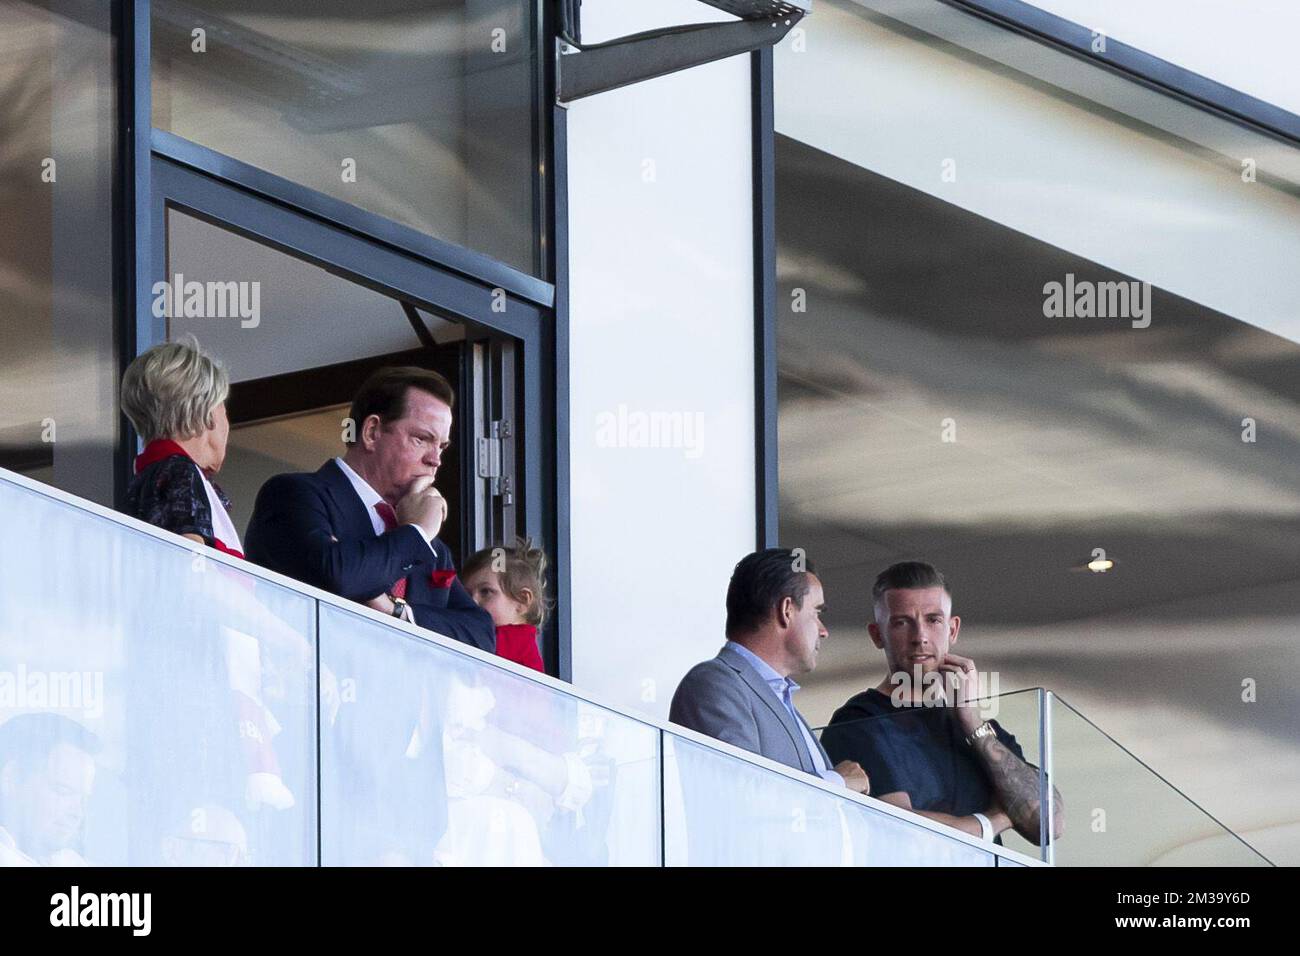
x=584 y=69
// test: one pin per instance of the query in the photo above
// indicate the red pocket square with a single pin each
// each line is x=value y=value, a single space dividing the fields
x=442 y=579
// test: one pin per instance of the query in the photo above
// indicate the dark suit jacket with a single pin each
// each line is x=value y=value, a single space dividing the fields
x=313 y=527
x=728 y=700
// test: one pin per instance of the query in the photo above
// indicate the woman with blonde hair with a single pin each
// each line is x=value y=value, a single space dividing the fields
x=175 y=396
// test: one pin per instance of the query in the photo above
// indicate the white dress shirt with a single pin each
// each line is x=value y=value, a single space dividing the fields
x=369 y=497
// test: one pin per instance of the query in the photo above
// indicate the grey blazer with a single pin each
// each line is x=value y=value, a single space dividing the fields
x=725 y=698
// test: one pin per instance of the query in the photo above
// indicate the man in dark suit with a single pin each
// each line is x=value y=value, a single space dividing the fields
x=744 y=695
x=365 y=526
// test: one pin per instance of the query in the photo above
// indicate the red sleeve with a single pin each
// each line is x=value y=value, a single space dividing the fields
x=515 y=644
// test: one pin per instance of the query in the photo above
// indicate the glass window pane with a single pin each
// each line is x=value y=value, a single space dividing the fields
x=281 y=314
x=1109 y=486
x=429 y=756
x=58 y=408
x=156 y=708
x=418 y=110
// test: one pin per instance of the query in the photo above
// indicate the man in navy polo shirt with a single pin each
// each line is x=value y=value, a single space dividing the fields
x=919 y=734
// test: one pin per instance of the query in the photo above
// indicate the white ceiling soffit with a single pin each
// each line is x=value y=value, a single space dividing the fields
x=1248 y=45
x=1075 y=75
x=1035 y=152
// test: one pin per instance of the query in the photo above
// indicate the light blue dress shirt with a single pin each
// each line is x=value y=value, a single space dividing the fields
x=784 y=688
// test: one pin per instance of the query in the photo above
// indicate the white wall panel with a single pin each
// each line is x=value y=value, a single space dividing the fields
x=661 y=321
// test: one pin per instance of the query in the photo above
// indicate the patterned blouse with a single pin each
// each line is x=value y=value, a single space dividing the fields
x=168 y=492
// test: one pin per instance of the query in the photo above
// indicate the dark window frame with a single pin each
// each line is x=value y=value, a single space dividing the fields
x=157 y=170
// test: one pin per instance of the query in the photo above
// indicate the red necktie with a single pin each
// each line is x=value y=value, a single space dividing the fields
x=390 y=522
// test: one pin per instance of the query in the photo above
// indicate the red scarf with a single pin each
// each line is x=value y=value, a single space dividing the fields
x=161 y=449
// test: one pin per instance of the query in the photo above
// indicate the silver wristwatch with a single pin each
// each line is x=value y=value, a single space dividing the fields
x=983 y=730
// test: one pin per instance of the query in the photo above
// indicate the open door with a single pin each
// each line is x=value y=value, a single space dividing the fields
x=299 y=340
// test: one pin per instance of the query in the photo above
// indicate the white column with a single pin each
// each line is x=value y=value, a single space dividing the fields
x=662 y=354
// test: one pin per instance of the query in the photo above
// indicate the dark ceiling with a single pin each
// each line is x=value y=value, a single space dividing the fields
x=1072 y=433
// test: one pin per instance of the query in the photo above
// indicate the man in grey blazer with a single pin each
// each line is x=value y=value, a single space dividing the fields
x=744 y=695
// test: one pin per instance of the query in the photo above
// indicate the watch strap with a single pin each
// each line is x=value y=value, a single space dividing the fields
x=983 y=730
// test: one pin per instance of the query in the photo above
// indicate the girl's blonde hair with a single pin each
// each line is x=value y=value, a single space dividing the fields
x=520 y=568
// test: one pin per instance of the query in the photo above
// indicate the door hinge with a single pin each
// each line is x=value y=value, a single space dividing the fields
x=488 y=462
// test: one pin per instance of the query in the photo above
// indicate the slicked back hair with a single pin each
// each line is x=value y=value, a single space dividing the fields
x=760 y=582
x=907 y=575
x=384 y=394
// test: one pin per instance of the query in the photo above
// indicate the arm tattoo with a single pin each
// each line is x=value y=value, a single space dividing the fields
x=1016 y=785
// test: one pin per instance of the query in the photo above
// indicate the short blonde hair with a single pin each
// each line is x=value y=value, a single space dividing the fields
x=171 y=390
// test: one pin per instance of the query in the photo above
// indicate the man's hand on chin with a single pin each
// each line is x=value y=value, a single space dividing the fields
x=423 y=505
x=962 y=681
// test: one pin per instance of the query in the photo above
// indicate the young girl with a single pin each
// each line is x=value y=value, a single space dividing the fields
x=510 y=584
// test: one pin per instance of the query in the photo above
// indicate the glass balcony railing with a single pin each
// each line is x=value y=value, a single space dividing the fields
x=1120 y=812
x=431 y=756
x=727 y=811
x=163 y=704
x=1111 y=808
x=157 y=705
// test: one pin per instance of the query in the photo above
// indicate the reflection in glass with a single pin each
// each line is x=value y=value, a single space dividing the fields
x=305 y=317
x=160 y=708
x=419 y=111
x=1111 y=496
x=430 y=757
x=722 y=811
x=1122 y=813
x=58 y=410
x=155 y=708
